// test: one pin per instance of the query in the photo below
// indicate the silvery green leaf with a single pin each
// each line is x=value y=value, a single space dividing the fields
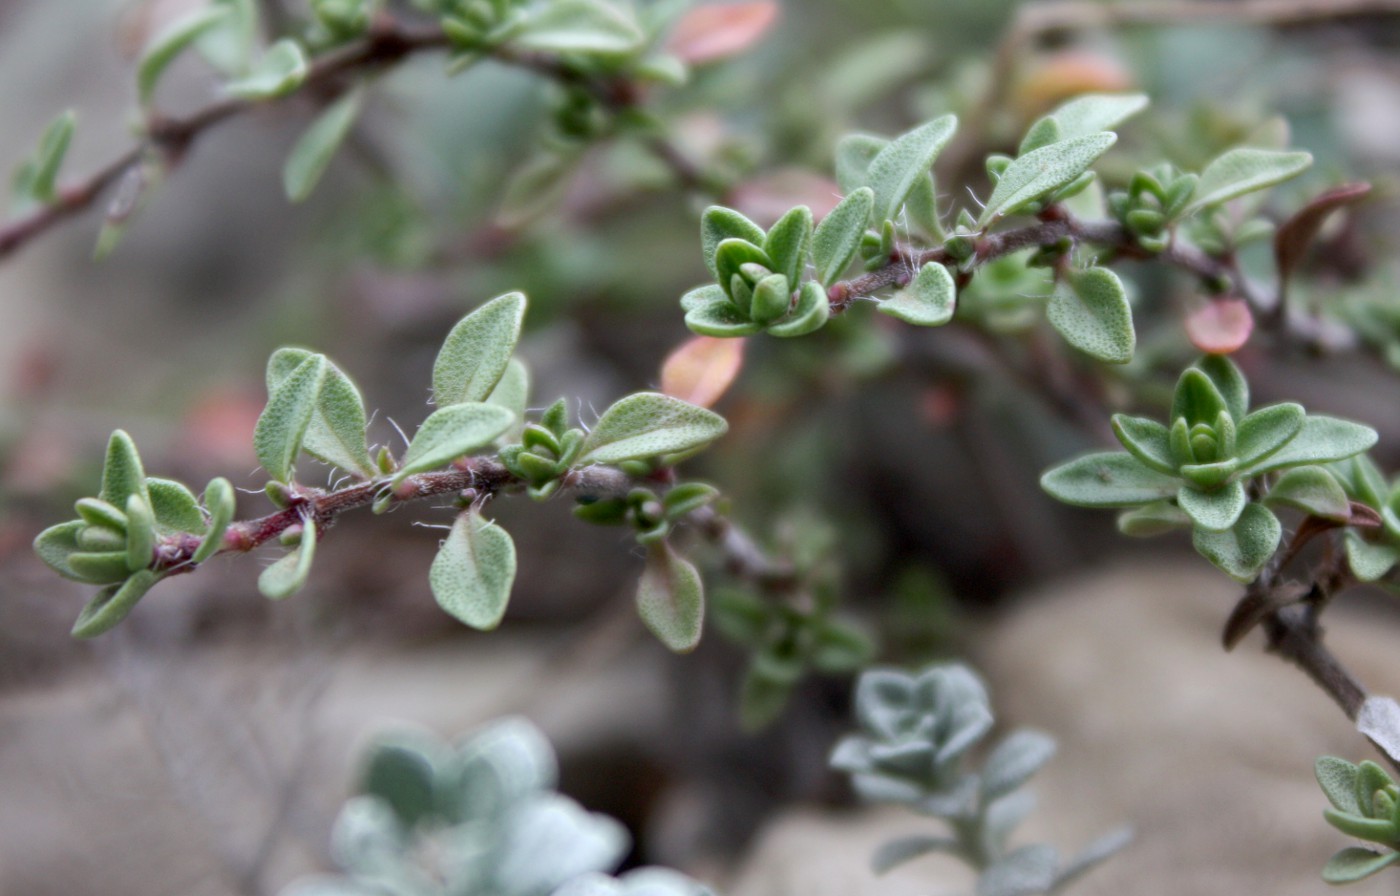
x=471 y=575
x=277 y=438
x=700 y=296
x=788 y=243
x=1369 y=560
x=928 y=300
x=55 y=544
x=402 y=775
x=718 y=224
x=140 y=533
x=1092 y=855
x=580 y=26
x=1196 y=399
x=1354 y=863
x=1090 y=310
x=893 y=853
x=1266 y=430
x=883 y=697
x=1041 y=172
x=1013 y=761
x=902 y=163
x=450 y=433
x=500 y=766
x=1245 y=170
x=839 y=234
x=336 y=431
x=1312 y=490
x=287 y=576
x=648 y=424
x=35 y=180
x=720 y=319
x=281 y=70
x=810 y=315
x=219 y=498
x=671 y=598
x=1112 y=479
x=316 y=147
x=550 y=839
x=1001 y=817
x=1321 y=439
x=1229 y=382
x=1241 y=551
x=1157 y=518
x=229 y=47
x=1337 y=777
x=122 y=475
x=1215 y=510
x=1147 y=440
x=475 y=354
x=174 y=507
x=113 y=603
x=368 y=839
x=1026 y=871
x=1083 y=116
x=874 y=788
x=512 y=392
x=854 y=155
x=170 y=43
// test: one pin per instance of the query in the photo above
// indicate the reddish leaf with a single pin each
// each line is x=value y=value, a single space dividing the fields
x=718 y=31
x=1221 y=327
x=701 y=369
x=1297 y=233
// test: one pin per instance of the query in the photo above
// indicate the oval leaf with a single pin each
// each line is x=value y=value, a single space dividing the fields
x=580 y=26
x=140 y=533
x=315 y=149
x=1312 y=490
x=1221 y=326
x=122 y=475
x=1245 y=170
x=1090 y=310
x=671 y=598
x=277 y=438
x=220 y=500
x=475 y=354
x=56 y=544
x=175 y=507
x=1145 y=439
x=1086 y=115
x=1042 y=171
x=1113 y=479
x=899 y=166
x=169 y=44
x=648 y=424
x=713 y=32
x=1013 y=762
x=928 y=300
x=336 y=432
x=1319 y=440
x=280 y=71
x=854 y=153
x=287 y=576
x=1215 y=510
x=839 y=234
x=718 y=224
x=1337 y=777
x=113 y=603
x=789 y=241
x=810 y=315
x=451 y=432
x=472 y=574
x=1354 y=863
x=701 y=370
x=1241 y=551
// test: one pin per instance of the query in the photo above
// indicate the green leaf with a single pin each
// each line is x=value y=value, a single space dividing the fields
x=731 y=256
x=450 y=433
x=771 y=298
x=1147 y=440
x=901 y=164
x=718 y=224
x=761 y=699
x=287 y=576
x=1377 y=830
x=471 y=575
x=854 y=155
x=1370 y=560
x=1196 y=399
x=281 y=70
x=1152 y=519
x=1215 y=510
x=56 y=544
x=810 y=315
x=175 y=507
x=400 y=778
x=1228 y=382
x=220 y=499
x=229 y=47
x=1112 y=479
x=36 y=179
x=169 y=44
x=1312 y=490
x=122 y=475
x=112 y=603
x=648 y=424
x=1337 y=777
x=100 y=567
x=475 y=354
x=1042 y=171
x=313 y=152
x=1241 y=551
x=928 y=300
x=1266 y=430
x=140 y=533
x=277 y=438
x=720 y=319
x=842 y=649
x=671 y=598
x=96 y=512
x=512 y=392
x=1082 y=117
x=336 y=433
x=1090 y=310
x=788 y=243
x=580 y=26
x=537 y=186
x=1245 y=170
x=839 y=234
x=1319 y=440
x=1354 y=863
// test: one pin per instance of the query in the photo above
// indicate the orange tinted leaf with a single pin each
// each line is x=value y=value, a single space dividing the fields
x=701 y=370
x=1221 y=327
x=718 y=31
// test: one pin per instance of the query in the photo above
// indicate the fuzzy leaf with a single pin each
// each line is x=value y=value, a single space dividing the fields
x=169 y=44
x=1026 y=871
x=113 y=603
x=1090 y=310
x=336 y=432
x=1157 y=518
x=810 y=314
x=1245 y=170
x=313 y=152
x=280 y=71
x=56 y=544
x=452 y=432
x=1196 y=399
x=512 y=391
x=648 y=424
x=580 y=26
x=1042 y=171
x=174 y=507
x=473 y=571
x=718 y=224
x=1013 y=762
x=1319 y=440
x=1370 y=560
x=1354 y=863
x=475 y=354
x=671 y=598
x=282 y=426
x=1241 y=551
x=839 y=234
x=1337 y=777
x=36 y=179
x=219 y=498
x=901 y=164
x=122 y=475
x=1084 y=116
x=928 y=300
x=701 y=370
x=287 y=576
x=789 y=241
x=1266 y=430
x=893 y=853
x=1215 y=510
x=1312 y=490
x=1147 y=440
x=140 y=533
x=854 y=155
x=1112 y=479
x=720 y=319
